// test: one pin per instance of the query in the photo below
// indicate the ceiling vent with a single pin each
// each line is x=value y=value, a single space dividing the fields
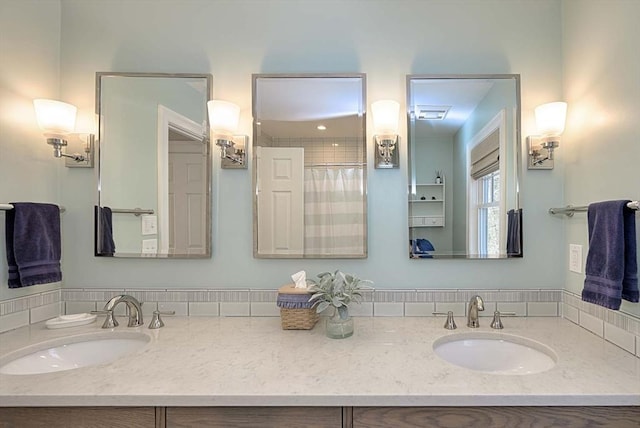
x=431 y=112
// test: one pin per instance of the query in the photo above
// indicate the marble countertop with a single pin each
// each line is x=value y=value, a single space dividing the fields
x=388 y=361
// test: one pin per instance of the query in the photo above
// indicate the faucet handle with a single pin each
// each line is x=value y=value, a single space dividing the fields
x=497 y=322
x=450 y=323
x=110 y=321
x=156 y=321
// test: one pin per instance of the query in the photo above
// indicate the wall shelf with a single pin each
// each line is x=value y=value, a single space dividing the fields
x=427 y=212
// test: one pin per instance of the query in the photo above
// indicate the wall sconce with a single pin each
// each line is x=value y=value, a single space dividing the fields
x=550 y=119
x=386 y=114
x=224 y=118
x=57 y=121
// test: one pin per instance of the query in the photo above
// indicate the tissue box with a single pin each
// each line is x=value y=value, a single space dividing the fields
x=296 y=312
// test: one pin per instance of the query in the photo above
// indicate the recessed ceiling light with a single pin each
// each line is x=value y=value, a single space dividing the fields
x=322 y=128
x=258 y=123
x=335 y=144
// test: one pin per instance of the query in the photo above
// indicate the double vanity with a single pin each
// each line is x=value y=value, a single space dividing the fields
x=389 y=373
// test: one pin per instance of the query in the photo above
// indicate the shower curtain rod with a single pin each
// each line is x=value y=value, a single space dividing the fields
x=311 y=165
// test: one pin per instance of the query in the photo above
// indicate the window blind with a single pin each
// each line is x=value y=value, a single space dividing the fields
x=485 y=156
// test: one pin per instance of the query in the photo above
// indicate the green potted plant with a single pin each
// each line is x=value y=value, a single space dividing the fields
x=337 y=290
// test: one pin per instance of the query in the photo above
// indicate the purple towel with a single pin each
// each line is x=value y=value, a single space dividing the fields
x=33 y=244
x=612 y=267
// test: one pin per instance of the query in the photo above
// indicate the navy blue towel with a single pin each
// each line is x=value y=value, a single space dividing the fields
x=421 y=248
x=612 y=267
x=514 y=233
x=106 y=246
x=33 y=244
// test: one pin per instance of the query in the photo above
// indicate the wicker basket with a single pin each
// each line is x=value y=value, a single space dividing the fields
x=296 y=312
x=298 y=319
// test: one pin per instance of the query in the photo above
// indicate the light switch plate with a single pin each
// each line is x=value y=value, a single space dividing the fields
x=149 y=224
x=575 y=258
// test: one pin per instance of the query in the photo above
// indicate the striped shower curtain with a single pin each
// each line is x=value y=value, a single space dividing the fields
x=334 y=211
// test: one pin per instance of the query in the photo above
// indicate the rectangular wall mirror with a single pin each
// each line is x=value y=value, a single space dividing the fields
x=464 y=166
x=309 y=152
x=154 y=168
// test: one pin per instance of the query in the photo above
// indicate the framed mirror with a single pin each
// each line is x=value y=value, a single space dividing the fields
x=464 y=166
x=154 y=167
x=309 y=179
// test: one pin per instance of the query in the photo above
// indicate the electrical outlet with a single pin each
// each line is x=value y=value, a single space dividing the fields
x=149 y=246
x=575 y=258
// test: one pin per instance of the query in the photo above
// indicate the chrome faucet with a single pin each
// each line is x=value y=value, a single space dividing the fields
x=476 y=304
x=134 y=307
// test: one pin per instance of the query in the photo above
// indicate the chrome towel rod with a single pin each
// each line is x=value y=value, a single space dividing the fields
x=570 y=209
x=7 y=207
x=135 y=211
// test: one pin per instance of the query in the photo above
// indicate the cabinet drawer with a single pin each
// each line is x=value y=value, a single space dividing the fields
x=263 y=417
x=426 y=221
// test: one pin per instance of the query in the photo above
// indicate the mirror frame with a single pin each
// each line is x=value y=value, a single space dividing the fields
x=208 y=175
x=254 y=93
x=517 y=142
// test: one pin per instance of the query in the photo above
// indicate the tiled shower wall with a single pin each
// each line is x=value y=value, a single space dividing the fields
x=320 y=151
x=613 y=326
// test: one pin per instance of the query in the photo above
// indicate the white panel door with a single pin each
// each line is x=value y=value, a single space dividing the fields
x=280 y=200
x=187 y=196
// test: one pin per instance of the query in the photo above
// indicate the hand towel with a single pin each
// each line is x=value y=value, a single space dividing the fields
x=106 y=246
x=611 y=269
x=33 y=244
x=514 y=233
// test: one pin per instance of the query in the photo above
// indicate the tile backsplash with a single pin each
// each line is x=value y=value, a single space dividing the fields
x=618 y=328
x=614 y=326
x=202 y=302
x=31 y=309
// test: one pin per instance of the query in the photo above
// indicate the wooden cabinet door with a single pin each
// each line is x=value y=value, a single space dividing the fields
x=483 y=417
x=81 y=417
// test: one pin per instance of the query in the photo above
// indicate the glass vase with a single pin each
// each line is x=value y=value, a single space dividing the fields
x=339 y=325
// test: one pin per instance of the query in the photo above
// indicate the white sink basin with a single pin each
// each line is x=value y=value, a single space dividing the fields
x=72 y=352
x=495 y=353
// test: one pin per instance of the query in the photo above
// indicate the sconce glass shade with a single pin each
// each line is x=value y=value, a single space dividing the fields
x=386 y=115
x=550 y=118
x=224 y=118
x=55 y=118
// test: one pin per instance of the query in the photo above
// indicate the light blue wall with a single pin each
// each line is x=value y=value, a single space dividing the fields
x=385 y=39
x=600 y=147
x=29 y=68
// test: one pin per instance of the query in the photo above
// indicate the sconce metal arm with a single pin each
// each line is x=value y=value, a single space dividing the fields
x=58 y=144
x=76 y=157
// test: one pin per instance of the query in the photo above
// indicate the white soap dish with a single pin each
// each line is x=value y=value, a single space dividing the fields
x=73 y=320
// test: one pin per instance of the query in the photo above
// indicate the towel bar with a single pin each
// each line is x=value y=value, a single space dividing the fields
x=570 y=209
x=135 y=211
x=7 y=207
